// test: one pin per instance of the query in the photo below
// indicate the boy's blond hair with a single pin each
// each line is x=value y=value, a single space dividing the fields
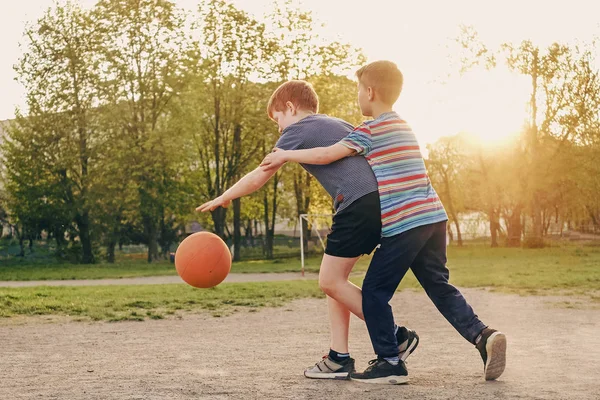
x=299 y=93
x=384 y=78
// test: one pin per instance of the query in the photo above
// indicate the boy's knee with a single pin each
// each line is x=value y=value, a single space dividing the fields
x=327 y=285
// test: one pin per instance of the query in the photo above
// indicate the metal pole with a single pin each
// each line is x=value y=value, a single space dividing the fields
x=301 y=246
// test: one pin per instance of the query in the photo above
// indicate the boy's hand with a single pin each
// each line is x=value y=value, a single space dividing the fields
x=274 y=160
x=213 y=204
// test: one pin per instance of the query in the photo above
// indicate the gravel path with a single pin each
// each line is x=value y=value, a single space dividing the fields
x=553 y=353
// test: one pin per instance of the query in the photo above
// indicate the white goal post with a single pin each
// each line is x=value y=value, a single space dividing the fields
x=312 y=219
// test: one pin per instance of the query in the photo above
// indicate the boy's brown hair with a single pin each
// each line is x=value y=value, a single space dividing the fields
x=384 y=77
x=300 y=93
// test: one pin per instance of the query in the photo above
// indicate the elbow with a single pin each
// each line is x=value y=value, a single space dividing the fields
x=256 y=184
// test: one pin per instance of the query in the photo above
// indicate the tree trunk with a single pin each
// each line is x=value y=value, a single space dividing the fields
x=593 y=217
x=494 y=226
x=237 y=230
x=21 y=236
x=270 y=214
x=534 y=239
x=153 y=249
x=114 y=237
x=110 y=251
x=59 y=236
x=151 y=231
x=458 y=233
x=450 y=233
x=547 y=222
x=268 y=244
x=83 y=223
x=218 y=217
x=451 y=209
x=248 y=233
x=514 y=229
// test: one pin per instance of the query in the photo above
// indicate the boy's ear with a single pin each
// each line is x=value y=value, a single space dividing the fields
x=291 y=107
x=370 y=93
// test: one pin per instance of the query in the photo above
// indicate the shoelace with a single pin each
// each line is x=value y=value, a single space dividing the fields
x=372 y=364
x=322 y=358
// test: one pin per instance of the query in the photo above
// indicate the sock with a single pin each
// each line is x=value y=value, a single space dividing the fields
x=392 y=360
x=338 y=357
x=396 y=329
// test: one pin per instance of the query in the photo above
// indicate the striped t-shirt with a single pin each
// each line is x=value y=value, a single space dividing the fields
x=407 y=198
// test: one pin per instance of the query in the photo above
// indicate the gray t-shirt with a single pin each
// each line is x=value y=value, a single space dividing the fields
x=345 y=180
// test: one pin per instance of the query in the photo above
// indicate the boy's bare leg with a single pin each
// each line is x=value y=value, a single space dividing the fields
x=339 y=320
x=343 y=297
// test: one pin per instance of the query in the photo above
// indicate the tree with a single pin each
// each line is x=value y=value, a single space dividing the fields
x=58 y=71
x=231 y=49
x=446 y=168
x=35 y=177
x=562 y=111
x=142 y=56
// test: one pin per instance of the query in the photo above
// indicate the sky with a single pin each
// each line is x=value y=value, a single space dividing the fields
x=415 y=35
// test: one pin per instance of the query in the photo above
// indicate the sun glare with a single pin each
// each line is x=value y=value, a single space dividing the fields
x=491 y=105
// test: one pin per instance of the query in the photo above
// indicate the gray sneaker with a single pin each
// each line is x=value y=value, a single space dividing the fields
x=329 y=369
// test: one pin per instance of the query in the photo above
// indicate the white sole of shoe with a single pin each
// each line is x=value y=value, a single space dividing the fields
x=387 y=380
x=410 y=349
x=496 y=356
x=326 y=375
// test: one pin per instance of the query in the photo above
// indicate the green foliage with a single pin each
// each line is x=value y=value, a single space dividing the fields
x=134 y=119
x=51 y=153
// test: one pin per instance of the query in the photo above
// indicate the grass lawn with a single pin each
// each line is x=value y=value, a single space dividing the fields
x=136 y=268
x=566 y=269
x=118 y=303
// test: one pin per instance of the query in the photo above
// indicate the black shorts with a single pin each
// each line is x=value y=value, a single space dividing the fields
x=356 y=230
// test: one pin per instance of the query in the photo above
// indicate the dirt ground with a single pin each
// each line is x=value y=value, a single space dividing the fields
x=553 y=353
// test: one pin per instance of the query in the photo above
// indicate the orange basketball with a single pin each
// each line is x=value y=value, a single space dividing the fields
x=203 y=260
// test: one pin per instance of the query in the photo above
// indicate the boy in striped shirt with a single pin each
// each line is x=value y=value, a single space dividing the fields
x=413 y=227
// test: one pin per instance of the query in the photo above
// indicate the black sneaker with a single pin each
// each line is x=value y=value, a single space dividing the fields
x=382 y=372
x=408 y=340
x=492 y=347
x=329 y=369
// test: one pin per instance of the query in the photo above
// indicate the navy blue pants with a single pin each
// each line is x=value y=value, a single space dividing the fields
x=422 y=249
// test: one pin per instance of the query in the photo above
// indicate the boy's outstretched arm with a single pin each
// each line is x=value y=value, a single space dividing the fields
x=250 y=183
x=317 y=156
